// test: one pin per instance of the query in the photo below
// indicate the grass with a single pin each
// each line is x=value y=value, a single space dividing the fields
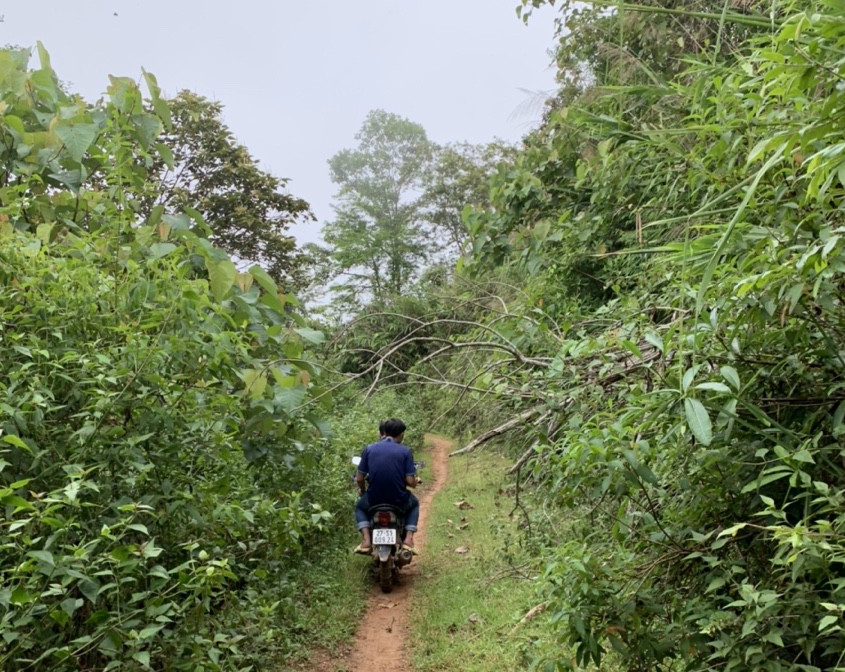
x=467 y=606
x=477 y=582
x=330 y=600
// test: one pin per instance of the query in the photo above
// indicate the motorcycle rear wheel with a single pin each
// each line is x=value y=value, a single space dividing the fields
x=385 y=576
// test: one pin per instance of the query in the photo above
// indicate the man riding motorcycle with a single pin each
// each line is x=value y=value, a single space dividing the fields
x=385 y=473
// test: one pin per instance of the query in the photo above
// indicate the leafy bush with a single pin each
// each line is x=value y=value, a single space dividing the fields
x=683 y=226
x=156 y=417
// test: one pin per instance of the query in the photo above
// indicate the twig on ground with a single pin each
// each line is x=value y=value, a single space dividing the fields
x=533 y=612
x=510 y=570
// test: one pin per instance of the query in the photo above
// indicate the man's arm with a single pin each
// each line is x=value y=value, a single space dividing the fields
x=411 y=479
x=363 y=470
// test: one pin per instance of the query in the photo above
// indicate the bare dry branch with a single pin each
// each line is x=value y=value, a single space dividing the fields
x=522 y=460
x=483 y=345
x=497 y=431
x=534 y=611
x=368 y=316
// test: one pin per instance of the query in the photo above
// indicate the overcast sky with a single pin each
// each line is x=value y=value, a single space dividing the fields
x=298 y=77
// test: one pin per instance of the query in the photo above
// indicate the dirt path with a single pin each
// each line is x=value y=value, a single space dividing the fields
x=384 y=628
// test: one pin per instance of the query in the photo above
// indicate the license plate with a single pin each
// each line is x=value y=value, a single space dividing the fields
x=384 y=536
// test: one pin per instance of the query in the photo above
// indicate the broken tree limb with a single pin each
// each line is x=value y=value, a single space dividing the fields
x=553 y=426
x=522 y=460
x=497 y=431
x=534 y=611
x=628 y=366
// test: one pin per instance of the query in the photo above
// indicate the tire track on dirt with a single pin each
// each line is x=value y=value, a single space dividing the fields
x=381 y=640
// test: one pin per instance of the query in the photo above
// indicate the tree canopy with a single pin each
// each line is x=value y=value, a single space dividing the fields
x=459 y=178
x=399 y=208
x=377 y=240
x=248 y=210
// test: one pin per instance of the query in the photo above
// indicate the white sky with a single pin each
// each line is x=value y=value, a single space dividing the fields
x=298 y=77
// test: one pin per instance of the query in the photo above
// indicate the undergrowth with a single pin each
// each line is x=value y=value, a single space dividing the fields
x=478 y=581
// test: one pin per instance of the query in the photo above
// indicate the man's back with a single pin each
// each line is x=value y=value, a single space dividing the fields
x=386 y=464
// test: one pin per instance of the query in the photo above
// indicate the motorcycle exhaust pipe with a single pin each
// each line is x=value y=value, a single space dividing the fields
x=404 y=557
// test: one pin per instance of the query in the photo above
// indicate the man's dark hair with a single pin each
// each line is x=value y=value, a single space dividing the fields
x=381 y=428
x=394 y=428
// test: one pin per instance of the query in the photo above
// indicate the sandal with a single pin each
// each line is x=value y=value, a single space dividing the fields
x=410 y=548
x=363 y=550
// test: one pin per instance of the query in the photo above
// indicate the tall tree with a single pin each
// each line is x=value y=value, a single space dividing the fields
x=459 y=177
x=378 y=239
x=248 y=209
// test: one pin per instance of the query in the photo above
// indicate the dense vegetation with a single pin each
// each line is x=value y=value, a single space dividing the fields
x=648 y=309
x=697 y=205
x=164 y=451
x=652 y=312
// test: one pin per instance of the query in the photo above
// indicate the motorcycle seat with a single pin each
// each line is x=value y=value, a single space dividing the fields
x=385 y=507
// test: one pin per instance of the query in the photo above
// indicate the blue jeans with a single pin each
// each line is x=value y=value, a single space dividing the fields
x=411 y=510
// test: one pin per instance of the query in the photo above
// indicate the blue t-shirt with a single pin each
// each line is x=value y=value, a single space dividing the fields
x=386 y=464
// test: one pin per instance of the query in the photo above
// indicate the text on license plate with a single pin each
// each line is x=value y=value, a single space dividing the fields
x=384 y=535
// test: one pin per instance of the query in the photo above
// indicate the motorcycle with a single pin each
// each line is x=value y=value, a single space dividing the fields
x=388 y=530
x=387 y=524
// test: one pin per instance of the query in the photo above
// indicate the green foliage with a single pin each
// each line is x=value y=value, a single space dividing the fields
x=357 y=427
x=376 y=243
x=247 y=209
x=399 y=214
x=157 y=408
x=459 y=178
x=680 y=222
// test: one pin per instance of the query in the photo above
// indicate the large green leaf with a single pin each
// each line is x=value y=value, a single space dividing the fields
x=159 y=250
x=311 y=335
x=255 y=382
x=71 y=604
x=290 y=398
x=148 y=128
x=222 y=275
x=43 y=556
x=12 y=78
x=166 y=155
x=267 y=283
x=698 y=420
x=124 y=94
x=729 y=374
x=76 y=137
x=159 y=104
x=16 y=441
x=43 y=56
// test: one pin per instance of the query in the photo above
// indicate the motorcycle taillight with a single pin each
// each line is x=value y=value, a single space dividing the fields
x=383 y=518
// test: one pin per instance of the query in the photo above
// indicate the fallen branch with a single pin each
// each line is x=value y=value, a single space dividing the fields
x=522 y=460
x=497 y=431
x=629 y=365
x=553 y=426
x=534 y=611
x=476 y=345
